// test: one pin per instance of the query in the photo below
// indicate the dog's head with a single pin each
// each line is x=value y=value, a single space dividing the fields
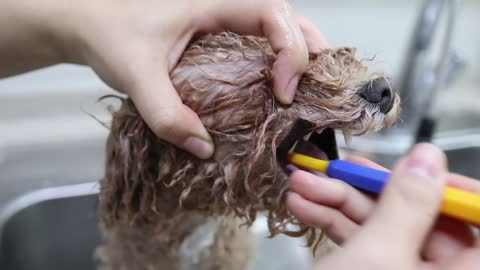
x=338 y=91
x=226 y=79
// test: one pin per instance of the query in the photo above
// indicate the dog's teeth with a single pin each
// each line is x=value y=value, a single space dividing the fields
x=307 y=136
x=347 y=136
x=319 y=131
x=292 y=148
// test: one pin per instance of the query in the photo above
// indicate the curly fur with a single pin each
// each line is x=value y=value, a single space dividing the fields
x=152 y=191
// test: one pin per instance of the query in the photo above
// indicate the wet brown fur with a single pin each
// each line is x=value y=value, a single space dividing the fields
x=152 y=191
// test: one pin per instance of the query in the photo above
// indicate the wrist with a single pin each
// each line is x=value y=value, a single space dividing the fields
x=54 y=28
x=27 y=41
x=59 y=21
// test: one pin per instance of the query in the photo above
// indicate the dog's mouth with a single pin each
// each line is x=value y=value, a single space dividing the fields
x=307 y=139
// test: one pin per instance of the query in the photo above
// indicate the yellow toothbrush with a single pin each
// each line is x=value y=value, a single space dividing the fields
x=456 y=203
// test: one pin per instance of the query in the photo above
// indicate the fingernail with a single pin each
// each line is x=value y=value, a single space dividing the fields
x=292 y=88
x=198 y=147
x=421 y=161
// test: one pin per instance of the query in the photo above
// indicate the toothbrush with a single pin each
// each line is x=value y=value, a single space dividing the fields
x=456 y=203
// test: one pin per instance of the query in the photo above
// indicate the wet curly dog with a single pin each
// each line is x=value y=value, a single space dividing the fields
x=162 y=208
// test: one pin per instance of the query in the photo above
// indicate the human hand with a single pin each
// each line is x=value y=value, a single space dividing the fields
x=398 y=231
x=133 y=45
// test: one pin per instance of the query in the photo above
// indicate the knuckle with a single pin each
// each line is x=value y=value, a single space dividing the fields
x=296 y=56
x=326 y=220
x=300 y=49
x=344 y=194
x=328 y=223
x=410 y=193
x=165 y=123
x=420 y=199
x=317 y=221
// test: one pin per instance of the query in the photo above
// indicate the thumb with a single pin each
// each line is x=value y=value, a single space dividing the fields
x=410 y=201
x=160 y=105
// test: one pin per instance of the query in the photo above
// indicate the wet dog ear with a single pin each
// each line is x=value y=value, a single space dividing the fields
x=342 y=51
x=130 y=166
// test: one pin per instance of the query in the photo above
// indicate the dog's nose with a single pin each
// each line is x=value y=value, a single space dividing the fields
x=378 y=92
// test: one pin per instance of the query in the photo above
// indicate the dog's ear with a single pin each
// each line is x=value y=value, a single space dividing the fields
x=130 y=164
x=342 y=51
x=344 y=55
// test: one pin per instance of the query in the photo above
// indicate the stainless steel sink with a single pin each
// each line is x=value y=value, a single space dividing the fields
x=465 y=161
x=50 y=229
x=56 y=229
x=48 y=207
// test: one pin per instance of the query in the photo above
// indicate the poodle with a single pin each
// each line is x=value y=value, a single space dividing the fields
x=163 y=208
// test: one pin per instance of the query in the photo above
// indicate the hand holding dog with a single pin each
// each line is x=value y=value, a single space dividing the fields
x=402 y=230
x=133 y=45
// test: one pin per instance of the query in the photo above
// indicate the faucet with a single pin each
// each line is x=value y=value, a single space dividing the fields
x=420 y=81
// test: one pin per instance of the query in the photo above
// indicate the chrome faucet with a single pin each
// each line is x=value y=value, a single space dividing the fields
x=420 y=81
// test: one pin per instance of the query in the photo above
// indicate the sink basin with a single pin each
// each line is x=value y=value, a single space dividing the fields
x=50 y=230
x=465 y=161
x=56 y=229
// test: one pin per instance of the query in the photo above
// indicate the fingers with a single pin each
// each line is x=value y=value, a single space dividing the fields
x=287 y=40
x=275 y=20
x=313 y=38
x=332 y=193
x=463 y=182
x=161 y=107
x=468 y=259
x=409 y=203
x=329 y=204
x=449 y=238
x=332 y=222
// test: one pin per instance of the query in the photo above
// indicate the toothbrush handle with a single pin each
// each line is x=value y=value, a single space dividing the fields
x=461 y=204
x=356 y=175
x=456 y=203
